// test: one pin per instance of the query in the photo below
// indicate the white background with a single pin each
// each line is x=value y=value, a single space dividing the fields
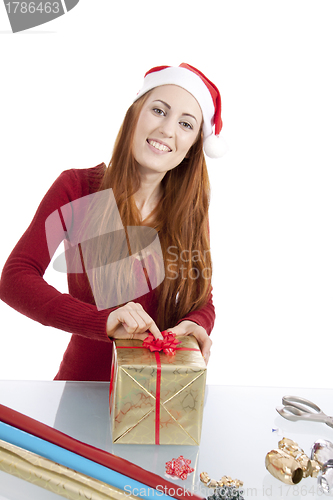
x=65 y=87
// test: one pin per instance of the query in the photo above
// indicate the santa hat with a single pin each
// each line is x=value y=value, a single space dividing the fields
x=203 y=90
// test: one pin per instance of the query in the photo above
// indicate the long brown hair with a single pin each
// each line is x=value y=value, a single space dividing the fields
x=180 y=218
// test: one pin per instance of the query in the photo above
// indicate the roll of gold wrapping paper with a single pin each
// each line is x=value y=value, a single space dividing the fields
x=54 y=477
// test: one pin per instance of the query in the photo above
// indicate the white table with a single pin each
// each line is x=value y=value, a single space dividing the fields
x=237 y=434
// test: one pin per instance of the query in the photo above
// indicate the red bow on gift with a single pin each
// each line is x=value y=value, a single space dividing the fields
x=167 y=345
x=179 y=467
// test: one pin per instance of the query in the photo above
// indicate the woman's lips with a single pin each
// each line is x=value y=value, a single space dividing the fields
x=158 y=146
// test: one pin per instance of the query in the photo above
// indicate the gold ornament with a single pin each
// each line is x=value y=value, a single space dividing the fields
x=316 y=468
x=224 y=481
x=204 y=478
x=289 y=463
x=283 y=466
x=295 y=451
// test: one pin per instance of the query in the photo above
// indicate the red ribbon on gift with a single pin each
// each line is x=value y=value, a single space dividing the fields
x=169 y=344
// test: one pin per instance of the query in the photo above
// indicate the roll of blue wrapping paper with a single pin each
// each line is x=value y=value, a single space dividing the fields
x=80 y=464
x=31 y=426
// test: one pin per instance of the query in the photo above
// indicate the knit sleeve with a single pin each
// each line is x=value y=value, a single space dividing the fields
x=22 y=285
x=205 y=316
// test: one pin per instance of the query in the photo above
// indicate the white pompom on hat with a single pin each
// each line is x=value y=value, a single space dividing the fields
x=203 y=90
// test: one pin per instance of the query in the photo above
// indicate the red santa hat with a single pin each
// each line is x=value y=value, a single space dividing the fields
x=203 y=90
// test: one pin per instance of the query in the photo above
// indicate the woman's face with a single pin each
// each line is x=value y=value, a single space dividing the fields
x=168 y=126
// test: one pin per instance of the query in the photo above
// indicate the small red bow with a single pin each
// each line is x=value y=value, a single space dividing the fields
x=179 y=467
x=167 y=345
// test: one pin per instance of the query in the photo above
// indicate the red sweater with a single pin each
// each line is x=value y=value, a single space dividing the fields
x=89 y=352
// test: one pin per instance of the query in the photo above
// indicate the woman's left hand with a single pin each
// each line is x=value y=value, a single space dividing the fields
x=189 y=328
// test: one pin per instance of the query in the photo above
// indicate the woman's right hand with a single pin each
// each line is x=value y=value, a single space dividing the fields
x=131 y=322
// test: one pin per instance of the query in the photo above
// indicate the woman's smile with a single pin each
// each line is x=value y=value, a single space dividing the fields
x=158 y=146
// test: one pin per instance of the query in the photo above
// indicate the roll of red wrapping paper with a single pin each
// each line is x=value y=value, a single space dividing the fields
x=102 y=457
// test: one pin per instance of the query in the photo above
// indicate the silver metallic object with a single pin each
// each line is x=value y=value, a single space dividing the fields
x=322 y=451
x=325 y=477
x=296 y=408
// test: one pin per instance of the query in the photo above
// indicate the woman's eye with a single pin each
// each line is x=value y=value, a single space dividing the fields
x=186 y=125
x=159 y=111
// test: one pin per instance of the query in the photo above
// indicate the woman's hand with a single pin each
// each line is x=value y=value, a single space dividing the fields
x=131 y=322
x=189 y=328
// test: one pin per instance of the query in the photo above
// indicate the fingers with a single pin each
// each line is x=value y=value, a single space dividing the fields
x=137 y=321
x=191 y=328
x=205 y=344
x=134 y=320
x=206 y=356
x=121 y=333
x=205 y=351
x=155 y=331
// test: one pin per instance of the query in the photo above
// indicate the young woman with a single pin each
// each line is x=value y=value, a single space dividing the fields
x=157 y=179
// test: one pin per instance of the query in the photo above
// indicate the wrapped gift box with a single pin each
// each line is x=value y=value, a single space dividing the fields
x=156 y=398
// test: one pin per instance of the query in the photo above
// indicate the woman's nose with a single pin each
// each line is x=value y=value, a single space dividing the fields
x=168 y=127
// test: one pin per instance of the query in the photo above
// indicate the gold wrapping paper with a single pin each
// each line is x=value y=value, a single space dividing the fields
x=54 y=477
x=133 y=394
